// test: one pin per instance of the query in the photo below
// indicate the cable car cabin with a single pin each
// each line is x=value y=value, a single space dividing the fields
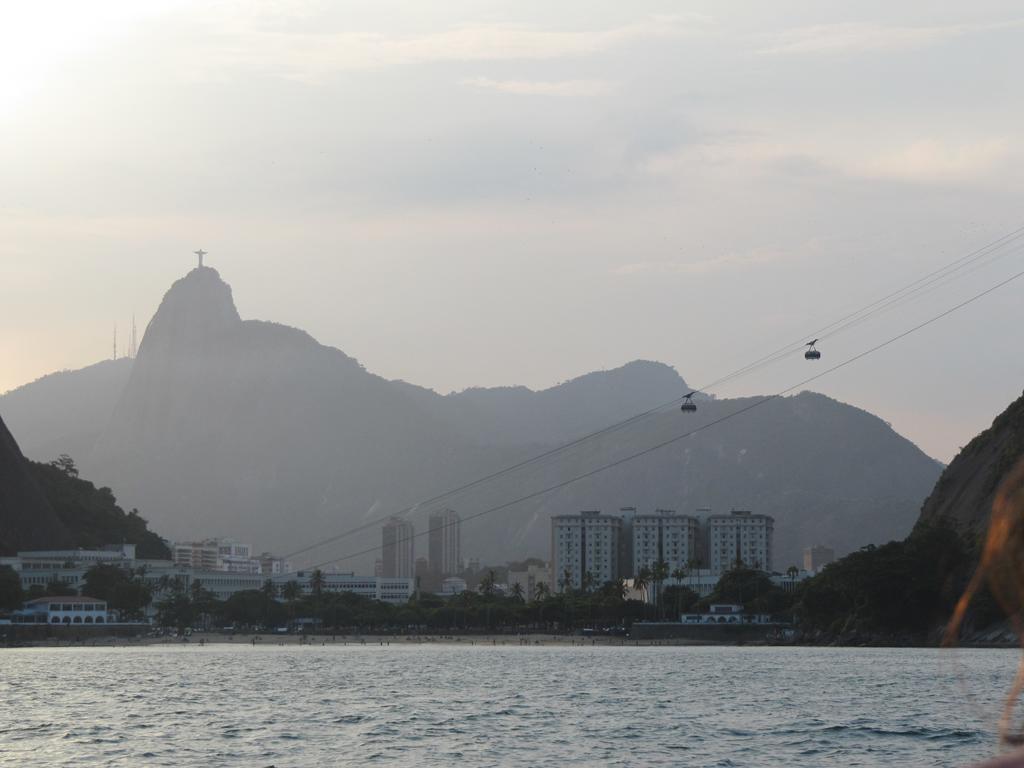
x=688 y=405
x=812 y=353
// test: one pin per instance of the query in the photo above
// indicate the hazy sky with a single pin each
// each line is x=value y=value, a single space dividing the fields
x=479 y=193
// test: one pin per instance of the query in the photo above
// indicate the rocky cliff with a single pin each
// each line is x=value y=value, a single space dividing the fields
x=965 y=490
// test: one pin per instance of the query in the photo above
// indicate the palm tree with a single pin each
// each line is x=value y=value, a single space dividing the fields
x=621 y=590
x=679 y=574
x=588 y=581
x=487 y=584
x=566 y=581
x=792 y=572
x=290 y=592
x=658 y=575
x=517 y=591
x=541 y=591
x=316 y=583
x=641 y=580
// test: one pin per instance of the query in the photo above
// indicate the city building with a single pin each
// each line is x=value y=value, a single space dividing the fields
x=388 y=590
x=817 y=557
x=585 y=549
x=216 y=555
x=528 y=577
x=398 y=555
x=739 y=537
x=663 y=536
x=444 y=542
x=69 y=610
x=37 y=569
x=453 y=585
x=271 y=565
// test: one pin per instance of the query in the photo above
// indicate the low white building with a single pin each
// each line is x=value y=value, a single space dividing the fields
x=725 y=614
x=388 y=590
x=453 y=585
x=528 y=578
x=38 y=569
x=68 y=610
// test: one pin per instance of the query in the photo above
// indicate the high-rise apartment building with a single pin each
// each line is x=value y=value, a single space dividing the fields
x=585 y=547
x=663 y=536
x=398 y=551
x=817 y=557
x=739 y=537
x=444 y=542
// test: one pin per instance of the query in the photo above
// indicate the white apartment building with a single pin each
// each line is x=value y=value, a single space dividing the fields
x=817 y=557
x=444 y=542
x=740 y=536
x=271 y=565
x=216 y=555
x=585 y=543
x=664 y=536
x=398 y=551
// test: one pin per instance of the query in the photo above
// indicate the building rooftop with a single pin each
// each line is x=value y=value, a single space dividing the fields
x=64 y=599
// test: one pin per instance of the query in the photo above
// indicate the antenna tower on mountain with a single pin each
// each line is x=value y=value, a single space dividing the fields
x=133 y=341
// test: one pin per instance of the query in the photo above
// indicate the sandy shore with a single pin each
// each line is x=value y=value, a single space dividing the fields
x=264 y=640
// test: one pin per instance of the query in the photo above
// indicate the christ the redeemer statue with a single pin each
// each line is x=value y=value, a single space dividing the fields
x=200 y=253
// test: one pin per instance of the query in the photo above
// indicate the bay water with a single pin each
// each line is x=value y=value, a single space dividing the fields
x=408 y=703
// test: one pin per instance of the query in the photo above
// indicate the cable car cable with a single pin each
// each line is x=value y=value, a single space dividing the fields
x=726 y=417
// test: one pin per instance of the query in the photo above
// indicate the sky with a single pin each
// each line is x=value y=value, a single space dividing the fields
x=479 y=194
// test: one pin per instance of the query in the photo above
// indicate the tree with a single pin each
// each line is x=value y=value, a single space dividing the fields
x=487 y=584
x=588 y=581
x=291 y=592
x=542 y=591
x=316 y=583
x=792 y=572
x=683 y=598
x=517 y=591
x=124 y=591
x=57 y=588
x=11 y=594
x=658 y=575
x=65 y=464
x=641 y=580
x=565 y=582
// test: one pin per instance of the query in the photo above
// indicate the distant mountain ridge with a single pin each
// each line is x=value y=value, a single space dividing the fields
x=224 y=426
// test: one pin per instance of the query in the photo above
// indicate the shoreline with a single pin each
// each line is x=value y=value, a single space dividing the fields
x=528 y=640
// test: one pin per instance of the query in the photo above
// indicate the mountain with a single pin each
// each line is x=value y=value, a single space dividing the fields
x=244 y=428
x=26 y=518
x=47 y=506
x=66 y=412
x=965 y=490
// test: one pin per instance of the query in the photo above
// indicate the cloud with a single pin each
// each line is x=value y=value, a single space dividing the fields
x=311 y=55
x=930 y=160
x=701 y=267
x=925 y=160
x=854 y=38
x=539 y=87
